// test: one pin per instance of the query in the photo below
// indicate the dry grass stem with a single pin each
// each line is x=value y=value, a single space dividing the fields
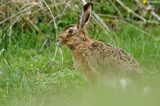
x=131 y=11
x=53 y=18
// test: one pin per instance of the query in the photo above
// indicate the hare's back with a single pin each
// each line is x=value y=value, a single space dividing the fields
x=108 y=57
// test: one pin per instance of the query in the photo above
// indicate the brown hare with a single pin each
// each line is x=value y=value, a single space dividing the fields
x=94 y=58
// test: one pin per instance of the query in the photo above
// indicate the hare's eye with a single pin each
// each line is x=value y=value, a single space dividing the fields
x=70 y=31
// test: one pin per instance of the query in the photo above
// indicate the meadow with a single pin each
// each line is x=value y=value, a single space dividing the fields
x=34 y=73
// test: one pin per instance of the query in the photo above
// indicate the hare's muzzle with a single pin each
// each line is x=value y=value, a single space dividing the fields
x=59 y=41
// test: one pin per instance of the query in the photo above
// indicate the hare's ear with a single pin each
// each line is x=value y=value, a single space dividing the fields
x=86 y=13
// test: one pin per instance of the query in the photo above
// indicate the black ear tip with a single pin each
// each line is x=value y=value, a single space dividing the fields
x=86 y=6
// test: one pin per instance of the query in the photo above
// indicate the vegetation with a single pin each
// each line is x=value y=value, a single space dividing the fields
x=32 y=72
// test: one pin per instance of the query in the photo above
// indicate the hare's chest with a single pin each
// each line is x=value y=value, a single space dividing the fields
x=80 y=62
x=82 y=65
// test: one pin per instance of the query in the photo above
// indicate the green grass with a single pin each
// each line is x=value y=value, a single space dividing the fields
x=29 y=77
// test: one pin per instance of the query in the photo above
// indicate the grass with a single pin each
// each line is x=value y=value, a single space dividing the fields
x=28 y=76
x=27 y=71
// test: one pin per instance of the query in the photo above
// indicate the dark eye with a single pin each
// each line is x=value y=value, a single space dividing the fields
x=70 y=31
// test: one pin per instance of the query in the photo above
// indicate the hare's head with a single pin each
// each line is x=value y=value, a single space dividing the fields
x=76 y=34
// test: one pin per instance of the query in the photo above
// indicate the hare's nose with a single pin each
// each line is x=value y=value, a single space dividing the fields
x=58 y=42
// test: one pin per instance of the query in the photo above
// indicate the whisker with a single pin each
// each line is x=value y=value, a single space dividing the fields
x=62 y=59
x=55 y=53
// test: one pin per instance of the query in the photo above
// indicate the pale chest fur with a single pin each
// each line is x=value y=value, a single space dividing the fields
x=81 y=62
x=82 y=59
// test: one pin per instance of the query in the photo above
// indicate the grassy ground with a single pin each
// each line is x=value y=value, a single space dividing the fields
x=28 y=76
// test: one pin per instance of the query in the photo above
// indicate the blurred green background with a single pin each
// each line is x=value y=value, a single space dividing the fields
x=32 y=75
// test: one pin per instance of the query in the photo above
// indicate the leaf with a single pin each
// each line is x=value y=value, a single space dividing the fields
x=145 y=1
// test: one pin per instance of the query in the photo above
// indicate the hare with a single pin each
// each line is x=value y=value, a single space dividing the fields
x=94 y=58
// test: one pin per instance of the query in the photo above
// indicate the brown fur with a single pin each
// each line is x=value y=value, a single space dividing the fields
x=94 y=58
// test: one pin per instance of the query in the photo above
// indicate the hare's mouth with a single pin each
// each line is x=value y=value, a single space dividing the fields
x=59 y=41
x=58 y=44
